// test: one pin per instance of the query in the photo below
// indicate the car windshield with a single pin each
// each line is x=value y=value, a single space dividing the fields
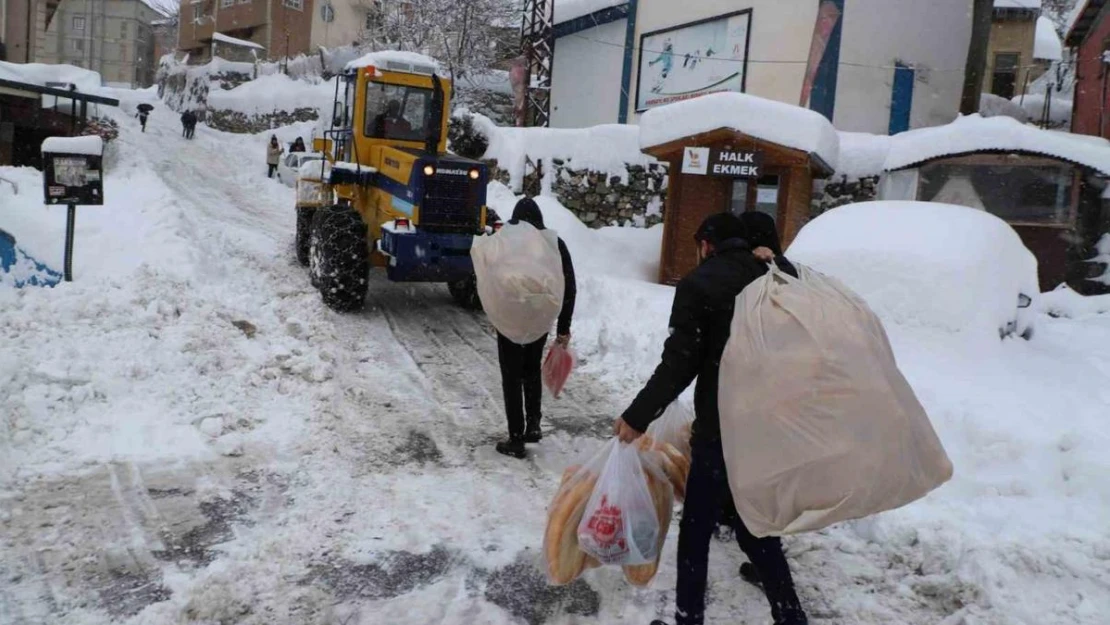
x=397 y=112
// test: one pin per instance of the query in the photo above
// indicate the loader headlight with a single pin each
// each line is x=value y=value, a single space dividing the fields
x=474 y=174
x=429 y=170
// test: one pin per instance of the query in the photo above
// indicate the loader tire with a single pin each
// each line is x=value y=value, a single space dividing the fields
x=304 y=234
x=465 y=293
x=339 y=260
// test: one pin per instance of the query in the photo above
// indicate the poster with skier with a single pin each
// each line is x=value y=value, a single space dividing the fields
x=694 y=59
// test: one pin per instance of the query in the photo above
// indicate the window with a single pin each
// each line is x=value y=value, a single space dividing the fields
x=1004 y=78
x=198 y=12
x=123 y=52
x=224 y=4
x=1021 y=194
x=123 y=30
x=397 y=112
x=294 y=4
x=78 y=23
x=77 y=45
x=763 y=196
x=327 y=13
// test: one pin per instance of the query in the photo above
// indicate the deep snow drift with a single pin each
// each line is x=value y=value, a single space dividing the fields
x=188 y=436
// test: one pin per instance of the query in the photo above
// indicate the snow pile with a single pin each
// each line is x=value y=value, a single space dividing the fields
x=1059 y=113
x=91 y=145
x=1102 y=249
x=1064 y=302
x=567 y=10
x=387 y=58
x=276 y=92
x=86 y=81
x=999 y=134
x=1047 y=46
x=608 y=148
x=991 y=105
x=862 y=154
x=791 y=126
x=925 y=264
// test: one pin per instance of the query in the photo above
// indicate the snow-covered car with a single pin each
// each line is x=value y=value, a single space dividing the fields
x=290 y=165
x=948 y=267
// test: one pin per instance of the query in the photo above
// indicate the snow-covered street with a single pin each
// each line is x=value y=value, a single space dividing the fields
x=189 y=435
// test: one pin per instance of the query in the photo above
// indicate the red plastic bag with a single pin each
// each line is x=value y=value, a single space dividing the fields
x=557 y=367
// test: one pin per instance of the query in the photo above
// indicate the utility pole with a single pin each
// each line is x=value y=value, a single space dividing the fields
x=981 y=14
x=537 y=38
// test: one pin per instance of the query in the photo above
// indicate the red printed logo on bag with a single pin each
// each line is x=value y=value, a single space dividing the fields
x=606 y=529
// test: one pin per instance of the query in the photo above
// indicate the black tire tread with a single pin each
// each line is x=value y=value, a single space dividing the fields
x=339 y=260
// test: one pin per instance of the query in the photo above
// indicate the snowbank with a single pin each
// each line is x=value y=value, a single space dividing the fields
x=86 y=81
x=1064 y=302
x=91 y=145
x=567 y=10
x=862 y=154
x=1047 y=45
x=237 y=42
x=991 y=105
x=975 y=134
x=1059 y=114
x=609 y=148
x=386 y=58
x=925 y=264
x=791 y=126
x=276 y=92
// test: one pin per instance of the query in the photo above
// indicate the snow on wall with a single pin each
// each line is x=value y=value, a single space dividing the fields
x=276 y=92
x=586 y=76
x=974 y=134
x=940 y=266
x=791 y=126
x=237 y=42
x=392 y=56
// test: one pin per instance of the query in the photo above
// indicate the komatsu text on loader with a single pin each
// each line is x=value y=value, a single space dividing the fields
x=388 y=194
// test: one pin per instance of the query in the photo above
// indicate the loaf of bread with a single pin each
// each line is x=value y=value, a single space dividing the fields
x=565 y=561
x=661 y=495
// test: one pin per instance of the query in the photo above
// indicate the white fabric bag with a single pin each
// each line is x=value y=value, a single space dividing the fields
x=520 y=280
x=817 y=422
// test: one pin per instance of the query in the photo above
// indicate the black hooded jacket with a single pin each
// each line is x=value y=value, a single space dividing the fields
x=760 y=231
x=701 y=319
x=529 y=212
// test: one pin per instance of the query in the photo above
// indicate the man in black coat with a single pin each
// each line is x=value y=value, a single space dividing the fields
x=700 y=323
x=521 y=365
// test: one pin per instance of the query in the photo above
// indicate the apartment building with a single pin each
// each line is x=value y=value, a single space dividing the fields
x=111 y=37
x=282 y=28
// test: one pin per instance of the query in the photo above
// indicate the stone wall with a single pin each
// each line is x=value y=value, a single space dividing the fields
x=833 y=193
x=598 y=199
x=234 y=121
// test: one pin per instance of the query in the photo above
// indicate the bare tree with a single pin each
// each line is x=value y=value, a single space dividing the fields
x=982 y=10
x=465 y=35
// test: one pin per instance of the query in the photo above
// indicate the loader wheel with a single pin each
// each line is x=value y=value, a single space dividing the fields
x=304 y=234
x=339 y=261
x=465 y=293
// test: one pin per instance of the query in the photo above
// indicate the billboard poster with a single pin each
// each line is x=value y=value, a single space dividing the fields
x=692 y=60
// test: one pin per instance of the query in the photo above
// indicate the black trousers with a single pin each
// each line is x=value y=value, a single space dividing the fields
x=708 y=500
x=521 y=380
x=190 y=130
x=270 y=173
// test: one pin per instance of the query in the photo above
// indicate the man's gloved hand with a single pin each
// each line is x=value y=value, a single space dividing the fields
x=625 y=432
x=563 y=339
x=764 y=254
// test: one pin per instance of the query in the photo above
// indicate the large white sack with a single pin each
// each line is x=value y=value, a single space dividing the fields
x=520 y=280
x=817 y=422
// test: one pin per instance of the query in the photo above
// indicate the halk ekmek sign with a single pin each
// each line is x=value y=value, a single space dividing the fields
x=726 y=163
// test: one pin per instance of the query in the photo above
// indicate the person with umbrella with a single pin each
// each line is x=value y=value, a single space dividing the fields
x=144 y=111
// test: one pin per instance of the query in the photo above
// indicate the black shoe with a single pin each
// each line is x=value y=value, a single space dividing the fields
x=513 y=447
x=750 y=575
x=658 y=622
x=532 y=433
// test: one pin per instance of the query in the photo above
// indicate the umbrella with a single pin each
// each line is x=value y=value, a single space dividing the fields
x=146 y=108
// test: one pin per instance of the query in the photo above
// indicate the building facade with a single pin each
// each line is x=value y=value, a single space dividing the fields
x=1090 y=39
x=18 y=29
x=338 y=23
x=282 y=27
x=111 y=37
x=869 y=65
x=1011 y=65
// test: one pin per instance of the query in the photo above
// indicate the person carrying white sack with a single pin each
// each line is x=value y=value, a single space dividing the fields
x=521 y=364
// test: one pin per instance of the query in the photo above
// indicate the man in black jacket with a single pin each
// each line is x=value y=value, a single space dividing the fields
x=700 y=322
x=521 y=365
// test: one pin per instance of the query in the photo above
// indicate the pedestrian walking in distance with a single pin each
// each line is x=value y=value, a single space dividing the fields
x=273 y=155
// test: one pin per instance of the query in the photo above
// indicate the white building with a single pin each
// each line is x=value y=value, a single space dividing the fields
x=887 y=66
x=337 y=23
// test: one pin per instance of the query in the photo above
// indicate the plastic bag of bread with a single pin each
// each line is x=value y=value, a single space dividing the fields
x=663 y=498
x=565 y=561
x=620 y=524
x=672 y=463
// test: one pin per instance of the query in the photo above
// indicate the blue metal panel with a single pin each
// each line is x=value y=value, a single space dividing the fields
x=823 y=97
x=901 y=99
x=626 y=71
x=427 y=257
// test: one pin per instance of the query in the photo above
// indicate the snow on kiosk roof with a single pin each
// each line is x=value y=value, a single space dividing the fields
x=89 y=145
x=974 y=134
x=774 y=122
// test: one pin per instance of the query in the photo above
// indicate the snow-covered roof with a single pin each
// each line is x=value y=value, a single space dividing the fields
x=973 y=134
x=92 y=145
x=236 y=42
x=396 y=60
x=1080 y=20
x=1047 y=46
x=567 y=10
x=1018 y=4
x=775 y=122
x=41 y=73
